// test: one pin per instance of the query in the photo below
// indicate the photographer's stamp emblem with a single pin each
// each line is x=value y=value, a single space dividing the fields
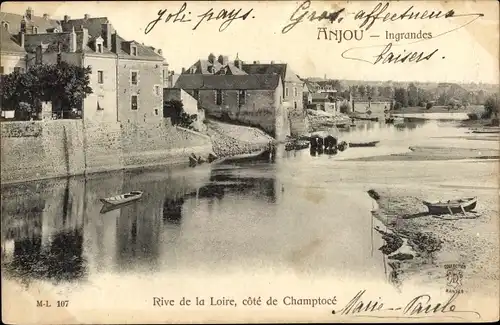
x=454 y=277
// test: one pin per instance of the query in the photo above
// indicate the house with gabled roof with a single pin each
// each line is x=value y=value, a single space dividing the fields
x=255 y=100
x=127 y=76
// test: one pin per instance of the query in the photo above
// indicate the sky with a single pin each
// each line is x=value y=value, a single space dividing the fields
x=464 y=54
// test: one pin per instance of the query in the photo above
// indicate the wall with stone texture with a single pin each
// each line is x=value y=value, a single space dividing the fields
x=59 y=148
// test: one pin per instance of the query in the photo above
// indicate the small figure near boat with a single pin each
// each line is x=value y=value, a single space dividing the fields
x=342 y=146
x=451 y=206
x=330 y=142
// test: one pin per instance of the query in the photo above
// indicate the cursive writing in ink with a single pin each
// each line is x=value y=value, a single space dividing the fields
x=297 y=18
x=356 y=305
x=177 y=17
x=227 y=16
x=387 y=56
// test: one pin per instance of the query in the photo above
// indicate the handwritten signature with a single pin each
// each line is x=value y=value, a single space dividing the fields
x=379 y=13
x=227 y=16
x=421 y=305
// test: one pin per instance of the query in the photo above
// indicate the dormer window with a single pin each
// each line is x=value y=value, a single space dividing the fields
x=5 y=25
x=133 y=50
x=99 y=44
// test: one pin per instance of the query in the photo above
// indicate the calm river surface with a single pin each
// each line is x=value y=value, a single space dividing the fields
x=299 y=215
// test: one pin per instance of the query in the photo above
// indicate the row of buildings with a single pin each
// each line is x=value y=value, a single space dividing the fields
x=127 y=76
x=131 y=82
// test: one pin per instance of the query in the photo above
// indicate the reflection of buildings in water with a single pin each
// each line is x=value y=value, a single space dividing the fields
x=47 y=233
x=172 y=211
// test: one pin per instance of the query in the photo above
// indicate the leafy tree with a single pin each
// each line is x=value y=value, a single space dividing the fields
x=401 y=96
x=63 y=84
x=175 y=110
x=362 y=90
x=345 y=107
x=412 y=95
x=428 y=105
x=491 y=107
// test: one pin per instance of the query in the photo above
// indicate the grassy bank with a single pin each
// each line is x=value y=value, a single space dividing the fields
x=429 y=242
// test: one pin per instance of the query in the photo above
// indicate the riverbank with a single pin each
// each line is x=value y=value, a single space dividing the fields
x=421 y=153
x=230 y=139
x=431 y=242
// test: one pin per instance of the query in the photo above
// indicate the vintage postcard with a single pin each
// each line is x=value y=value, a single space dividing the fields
x=249 y=161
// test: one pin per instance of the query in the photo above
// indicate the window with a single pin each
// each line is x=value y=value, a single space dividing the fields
x=156 y=111
x=35 y=30
x=99 y=48
x=196 y=94
x=133 y=78
x=100 y=77
x=165 y=74
x=294 y=92
x=218 y=97
x=242 y=94
x=99 y=107
x=157 y=90
x=5 y=25
x=286 y=92
x=17 y=69
x=295 y=104
x=133 y=103
x=133 y=50
x=1 y=69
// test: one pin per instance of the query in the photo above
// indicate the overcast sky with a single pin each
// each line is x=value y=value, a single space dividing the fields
x=467 y=54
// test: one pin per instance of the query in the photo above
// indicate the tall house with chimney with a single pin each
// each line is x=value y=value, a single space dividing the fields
x=127 y=77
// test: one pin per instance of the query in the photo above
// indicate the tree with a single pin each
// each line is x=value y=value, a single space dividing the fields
x=63 y=84
x=362 y=90
x=491 y=107
x=412 y=95
x=401 y=97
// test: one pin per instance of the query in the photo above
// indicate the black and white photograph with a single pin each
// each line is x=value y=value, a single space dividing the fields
x=249 y=161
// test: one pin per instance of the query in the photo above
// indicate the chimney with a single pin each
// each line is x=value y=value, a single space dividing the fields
x=272 y=62
x=72 y=40
x=211 y=58
x=115 y=43
x=66 y=18
x=21 y=39
x=107 y=30
x=29 y=13
x=46 y=16
x=256 y=62
x=86 y=16
x=183 y=70
x=85 y=37
x=160 y=52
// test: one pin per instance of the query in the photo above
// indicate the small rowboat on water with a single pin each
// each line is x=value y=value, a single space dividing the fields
x=452 y=206
x=122 y=198
x=363 y=144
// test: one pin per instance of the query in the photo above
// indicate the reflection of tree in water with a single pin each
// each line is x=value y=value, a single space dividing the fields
x=223 y=184
x=62 y=260
x=172 y=210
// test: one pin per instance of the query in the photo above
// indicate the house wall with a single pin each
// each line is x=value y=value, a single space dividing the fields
x=105 y=94
x=258 y=109
x=12 y=60
x=150 y=105
x=298 y=118
x=59 y=148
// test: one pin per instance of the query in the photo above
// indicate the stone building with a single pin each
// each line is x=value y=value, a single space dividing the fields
x=290 y=98
x=255 y=100
x=127 y=77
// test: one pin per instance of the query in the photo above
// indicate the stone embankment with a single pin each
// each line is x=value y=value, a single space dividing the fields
x=229 y=139
x=320 y=120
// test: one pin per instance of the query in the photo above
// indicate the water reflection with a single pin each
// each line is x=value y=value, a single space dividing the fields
x=241 y=214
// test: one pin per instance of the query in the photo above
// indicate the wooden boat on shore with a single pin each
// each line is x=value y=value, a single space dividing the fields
x=122 y=198
x=452 y=206
x=363 y=144
x=486 y=131
x=375 y=119
x=259 y=155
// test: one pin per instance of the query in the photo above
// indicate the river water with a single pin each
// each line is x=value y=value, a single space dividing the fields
x=299 y=215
